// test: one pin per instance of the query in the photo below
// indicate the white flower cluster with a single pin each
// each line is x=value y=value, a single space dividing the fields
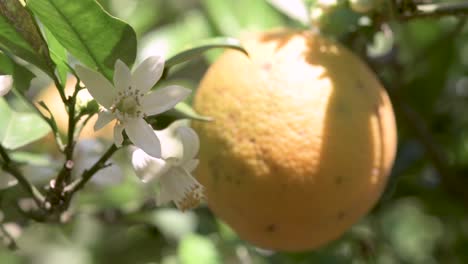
x=167 y=156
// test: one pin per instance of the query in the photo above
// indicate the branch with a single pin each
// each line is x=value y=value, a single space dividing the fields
x=88 y=174
x=55 y=196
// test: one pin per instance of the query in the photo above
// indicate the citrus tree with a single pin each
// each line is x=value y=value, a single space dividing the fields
x=261 y=131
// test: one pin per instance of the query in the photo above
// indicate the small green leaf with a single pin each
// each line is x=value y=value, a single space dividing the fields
x=88 y=32
x=214 y=43
x=19 y=129
x=20 y=35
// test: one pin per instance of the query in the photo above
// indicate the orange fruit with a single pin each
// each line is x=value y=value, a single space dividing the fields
x=302 y=141
x=52 y=99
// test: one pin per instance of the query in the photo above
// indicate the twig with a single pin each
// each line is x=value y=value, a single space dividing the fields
x=53 y=125
x=88 y=174
x=49 y=120
x=80 y=127
x=31 y=189
x=64 y=175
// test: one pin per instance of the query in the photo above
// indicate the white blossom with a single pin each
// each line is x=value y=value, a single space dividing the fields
x=173 y=172
x=129 y=100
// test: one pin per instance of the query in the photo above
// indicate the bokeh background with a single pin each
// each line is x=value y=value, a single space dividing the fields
x=421 y=218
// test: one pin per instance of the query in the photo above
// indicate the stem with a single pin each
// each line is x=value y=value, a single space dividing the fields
x=82 y=124
x=50 y=121
x=11 y=169
x=53 y=124
x=64 y=175
x=60 y=89
x=88 y=174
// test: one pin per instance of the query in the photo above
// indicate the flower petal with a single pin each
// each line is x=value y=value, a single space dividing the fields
x=163 y=99
x=148 y=168
x=6 y=82
x=148 y=73
x=118 y=137
x=98 y=86
x=191 y=165
x=171 y=146
x=190 y=142
x=122 y=76
x=142 y=136
x=179 y=186
x=104 y=117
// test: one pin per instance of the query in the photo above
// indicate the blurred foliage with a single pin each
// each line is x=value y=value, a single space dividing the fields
x=422 y=217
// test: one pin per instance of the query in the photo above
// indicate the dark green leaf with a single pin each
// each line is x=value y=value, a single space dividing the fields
x=21 y=75
x=20 y=35
x=198 y=50
x=19 y=129
x=22 y=78
x=88 y=32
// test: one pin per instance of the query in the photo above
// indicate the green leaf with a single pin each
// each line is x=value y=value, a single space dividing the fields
x=88 y=32
x=214 y=43
x=19 y=129
x=59 y=56
x=197 y=249
x=22 y=77
x=20 y=35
